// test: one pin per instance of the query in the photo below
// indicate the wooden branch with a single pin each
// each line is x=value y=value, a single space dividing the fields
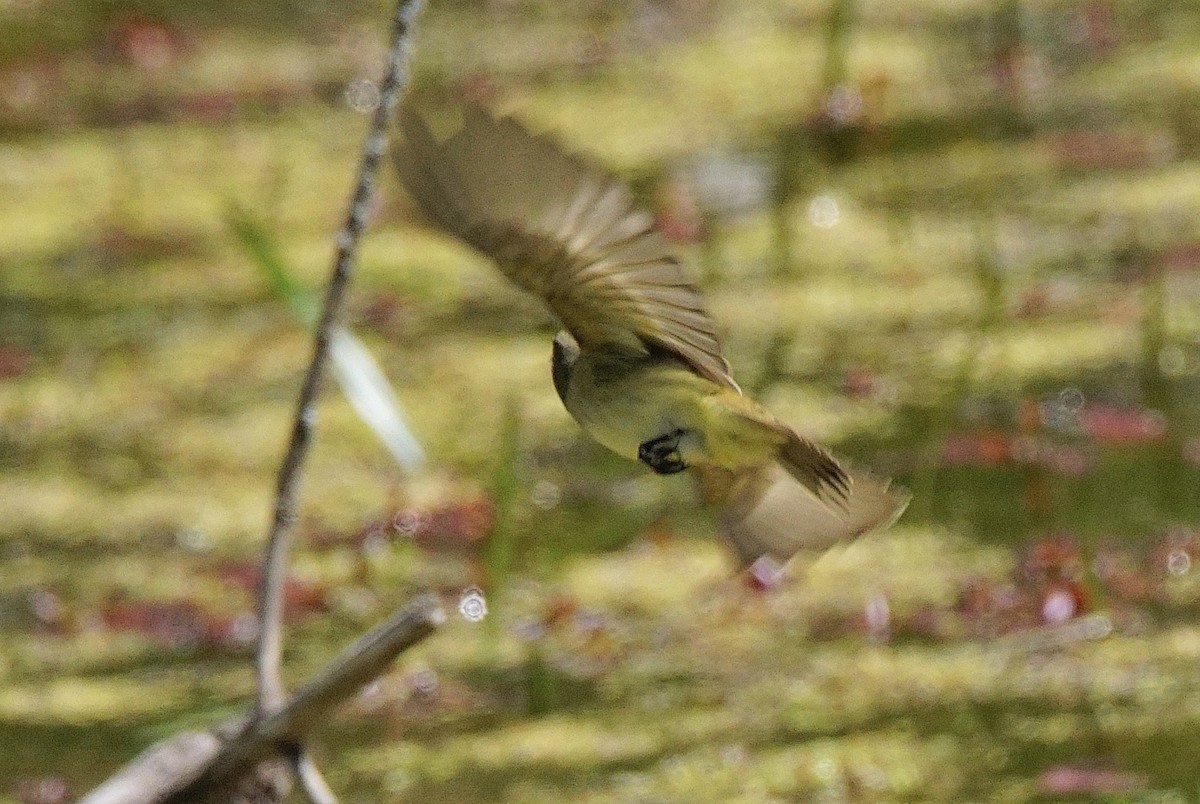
x=269 y=652
x=357 y=665
x=242 y=760
x=310 y=780
x=163 y=768
x=205 y=766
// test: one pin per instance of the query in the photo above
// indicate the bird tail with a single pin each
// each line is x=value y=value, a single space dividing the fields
x=764 y=511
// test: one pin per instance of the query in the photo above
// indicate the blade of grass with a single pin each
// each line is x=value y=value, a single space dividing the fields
x=501 y=552
x=368 y=391
x=263 y=251
x=356 y=372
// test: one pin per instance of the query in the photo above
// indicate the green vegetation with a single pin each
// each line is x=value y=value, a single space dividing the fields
x=958 y=241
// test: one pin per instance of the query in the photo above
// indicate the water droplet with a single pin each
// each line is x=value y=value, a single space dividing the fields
x=1071 y=398
x=472 y=605
x=362 y=95
x=408 y=522
x=1179 y=562
x=823 y=212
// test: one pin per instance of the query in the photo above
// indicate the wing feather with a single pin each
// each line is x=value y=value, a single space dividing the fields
x=764 y=512
x=564 y=230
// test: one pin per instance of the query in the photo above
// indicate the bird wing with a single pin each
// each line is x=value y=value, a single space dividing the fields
x=564 y=230
x=763 y=511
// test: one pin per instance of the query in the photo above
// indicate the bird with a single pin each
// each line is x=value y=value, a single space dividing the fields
x=638 y=362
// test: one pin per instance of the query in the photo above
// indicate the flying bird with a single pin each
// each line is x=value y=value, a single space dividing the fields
x=638 y=363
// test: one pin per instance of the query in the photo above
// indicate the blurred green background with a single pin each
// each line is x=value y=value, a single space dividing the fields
x=958 y=241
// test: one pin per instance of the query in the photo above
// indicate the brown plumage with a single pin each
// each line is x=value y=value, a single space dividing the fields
x=639 y=365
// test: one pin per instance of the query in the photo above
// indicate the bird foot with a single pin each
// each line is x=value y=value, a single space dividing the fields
x=662 y=454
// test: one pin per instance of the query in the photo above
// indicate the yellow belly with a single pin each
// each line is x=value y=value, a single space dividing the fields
x=625 y=405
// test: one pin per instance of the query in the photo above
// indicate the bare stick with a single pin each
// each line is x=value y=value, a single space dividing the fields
x=196 y=765
x=207 y=765
x=268 y=657
x=312 y=784
x=358 y=664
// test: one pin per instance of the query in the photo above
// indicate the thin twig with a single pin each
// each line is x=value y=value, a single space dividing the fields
x=268 y=657
x=204 y=766
x=309 y=779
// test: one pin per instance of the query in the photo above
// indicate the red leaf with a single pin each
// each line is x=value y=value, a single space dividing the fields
x=459 y=527
x=1111 y=425
x=988 y=447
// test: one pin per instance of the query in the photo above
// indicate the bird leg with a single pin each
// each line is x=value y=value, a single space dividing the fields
x=662 y=454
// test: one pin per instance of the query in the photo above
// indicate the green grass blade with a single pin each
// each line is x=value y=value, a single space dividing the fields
x=356 y=372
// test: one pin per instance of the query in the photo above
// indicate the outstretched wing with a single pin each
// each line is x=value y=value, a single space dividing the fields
x=563 y=230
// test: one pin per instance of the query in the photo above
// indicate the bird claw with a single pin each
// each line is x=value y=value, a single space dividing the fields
x=662 y=454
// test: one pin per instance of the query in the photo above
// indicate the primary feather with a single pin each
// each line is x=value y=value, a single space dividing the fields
x=564 y=230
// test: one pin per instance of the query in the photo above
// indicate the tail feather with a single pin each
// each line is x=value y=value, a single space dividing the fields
x=763 y=512
x=815 y=469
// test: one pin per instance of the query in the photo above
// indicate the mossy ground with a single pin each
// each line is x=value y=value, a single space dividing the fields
x=980 y=279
